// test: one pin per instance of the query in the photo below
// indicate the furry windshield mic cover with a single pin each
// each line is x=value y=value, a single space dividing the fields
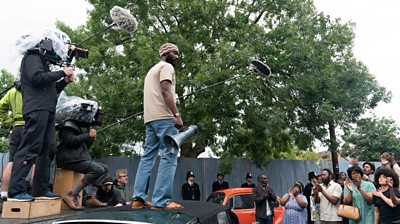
x=123 y=19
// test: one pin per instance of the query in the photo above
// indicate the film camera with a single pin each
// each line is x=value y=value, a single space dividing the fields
x=46 y=49
x=84 y=112
x=77 y=52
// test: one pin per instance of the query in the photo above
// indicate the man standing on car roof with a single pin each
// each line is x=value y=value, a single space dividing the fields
x=161 y=117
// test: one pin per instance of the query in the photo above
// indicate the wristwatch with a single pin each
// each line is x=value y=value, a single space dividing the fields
x=177 y=114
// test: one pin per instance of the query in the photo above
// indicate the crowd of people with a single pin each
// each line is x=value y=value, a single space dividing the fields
x=373 y=192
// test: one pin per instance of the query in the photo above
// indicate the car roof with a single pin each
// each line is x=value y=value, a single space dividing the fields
x=205 y=212
x=202 y=210
x=80 y=221
x=239 y=190
x=234 y=191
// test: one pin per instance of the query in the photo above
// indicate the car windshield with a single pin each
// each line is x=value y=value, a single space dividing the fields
x=142 y=215
x=216 y=197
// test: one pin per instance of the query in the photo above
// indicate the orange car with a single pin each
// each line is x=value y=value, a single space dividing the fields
x=241 y=202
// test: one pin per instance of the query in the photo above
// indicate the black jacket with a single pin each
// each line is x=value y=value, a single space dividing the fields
x=39 y=86
x=191 y=192
x=112 y=197
x=217 y=186
x=260 y=198
x=74 y=145
x=307 y=193
x=245 y=184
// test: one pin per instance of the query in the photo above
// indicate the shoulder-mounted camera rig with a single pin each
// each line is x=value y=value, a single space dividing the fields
x=45 y=48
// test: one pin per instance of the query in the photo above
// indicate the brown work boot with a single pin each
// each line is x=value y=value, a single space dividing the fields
x=92 y=201
x=71 y=201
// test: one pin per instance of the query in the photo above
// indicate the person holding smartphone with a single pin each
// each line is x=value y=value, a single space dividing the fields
x=385 y=210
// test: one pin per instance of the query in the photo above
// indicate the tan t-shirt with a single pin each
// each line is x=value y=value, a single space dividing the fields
x=155 y=107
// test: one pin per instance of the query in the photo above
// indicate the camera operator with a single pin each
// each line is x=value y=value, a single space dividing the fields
x=40 y=87
x=73 y=154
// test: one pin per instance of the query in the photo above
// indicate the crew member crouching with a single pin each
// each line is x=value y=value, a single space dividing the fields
x=108 y=195
x=73 y=154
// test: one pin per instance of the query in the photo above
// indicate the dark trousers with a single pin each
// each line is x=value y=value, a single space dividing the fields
x=268 y=220
x=39 y=138
x=94 y=172
x=15 y=141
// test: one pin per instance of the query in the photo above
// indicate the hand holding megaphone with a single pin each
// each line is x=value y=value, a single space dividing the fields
x=173 y=142
x=178 y=122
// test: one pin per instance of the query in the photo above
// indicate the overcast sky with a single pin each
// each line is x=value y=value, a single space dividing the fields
x=376 y=43
x=18 y=17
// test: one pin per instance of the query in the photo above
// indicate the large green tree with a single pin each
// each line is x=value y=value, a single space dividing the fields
x=370 y=138
x=316 y=83
x=327 y=86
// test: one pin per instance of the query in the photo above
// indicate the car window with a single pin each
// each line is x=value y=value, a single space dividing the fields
x=244 y=201
x=216 y=197
x=223 y=218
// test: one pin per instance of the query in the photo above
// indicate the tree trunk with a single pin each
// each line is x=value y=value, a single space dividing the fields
x=333 y=147
x=191 y=152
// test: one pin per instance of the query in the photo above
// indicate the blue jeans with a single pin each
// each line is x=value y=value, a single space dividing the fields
x=162 y=193
x=268 y=220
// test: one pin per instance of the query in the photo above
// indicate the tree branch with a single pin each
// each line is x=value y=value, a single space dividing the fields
x=162 y=24
x=159 y=20
x=176 y=19
x=258 y=17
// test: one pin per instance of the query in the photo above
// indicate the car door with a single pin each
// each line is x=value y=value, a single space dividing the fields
x=243 y=206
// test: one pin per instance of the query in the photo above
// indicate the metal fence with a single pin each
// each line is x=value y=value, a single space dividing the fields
x=282 y=173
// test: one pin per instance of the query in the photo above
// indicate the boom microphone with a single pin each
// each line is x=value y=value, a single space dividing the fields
x=123 y=19
x=255 y=66
x=260 y=68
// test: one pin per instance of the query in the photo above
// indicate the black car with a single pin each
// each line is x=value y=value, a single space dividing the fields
x=193 y=213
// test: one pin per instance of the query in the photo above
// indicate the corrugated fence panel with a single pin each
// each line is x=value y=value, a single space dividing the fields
x=116 y=163
x=3 y=161
x=282 y=173
x=344 y=165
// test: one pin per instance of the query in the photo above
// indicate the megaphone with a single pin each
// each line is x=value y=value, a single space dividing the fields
x=173 y=142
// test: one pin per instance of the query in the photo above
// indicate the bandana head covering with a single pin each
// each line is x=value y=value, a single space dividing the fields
x=168 y=47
